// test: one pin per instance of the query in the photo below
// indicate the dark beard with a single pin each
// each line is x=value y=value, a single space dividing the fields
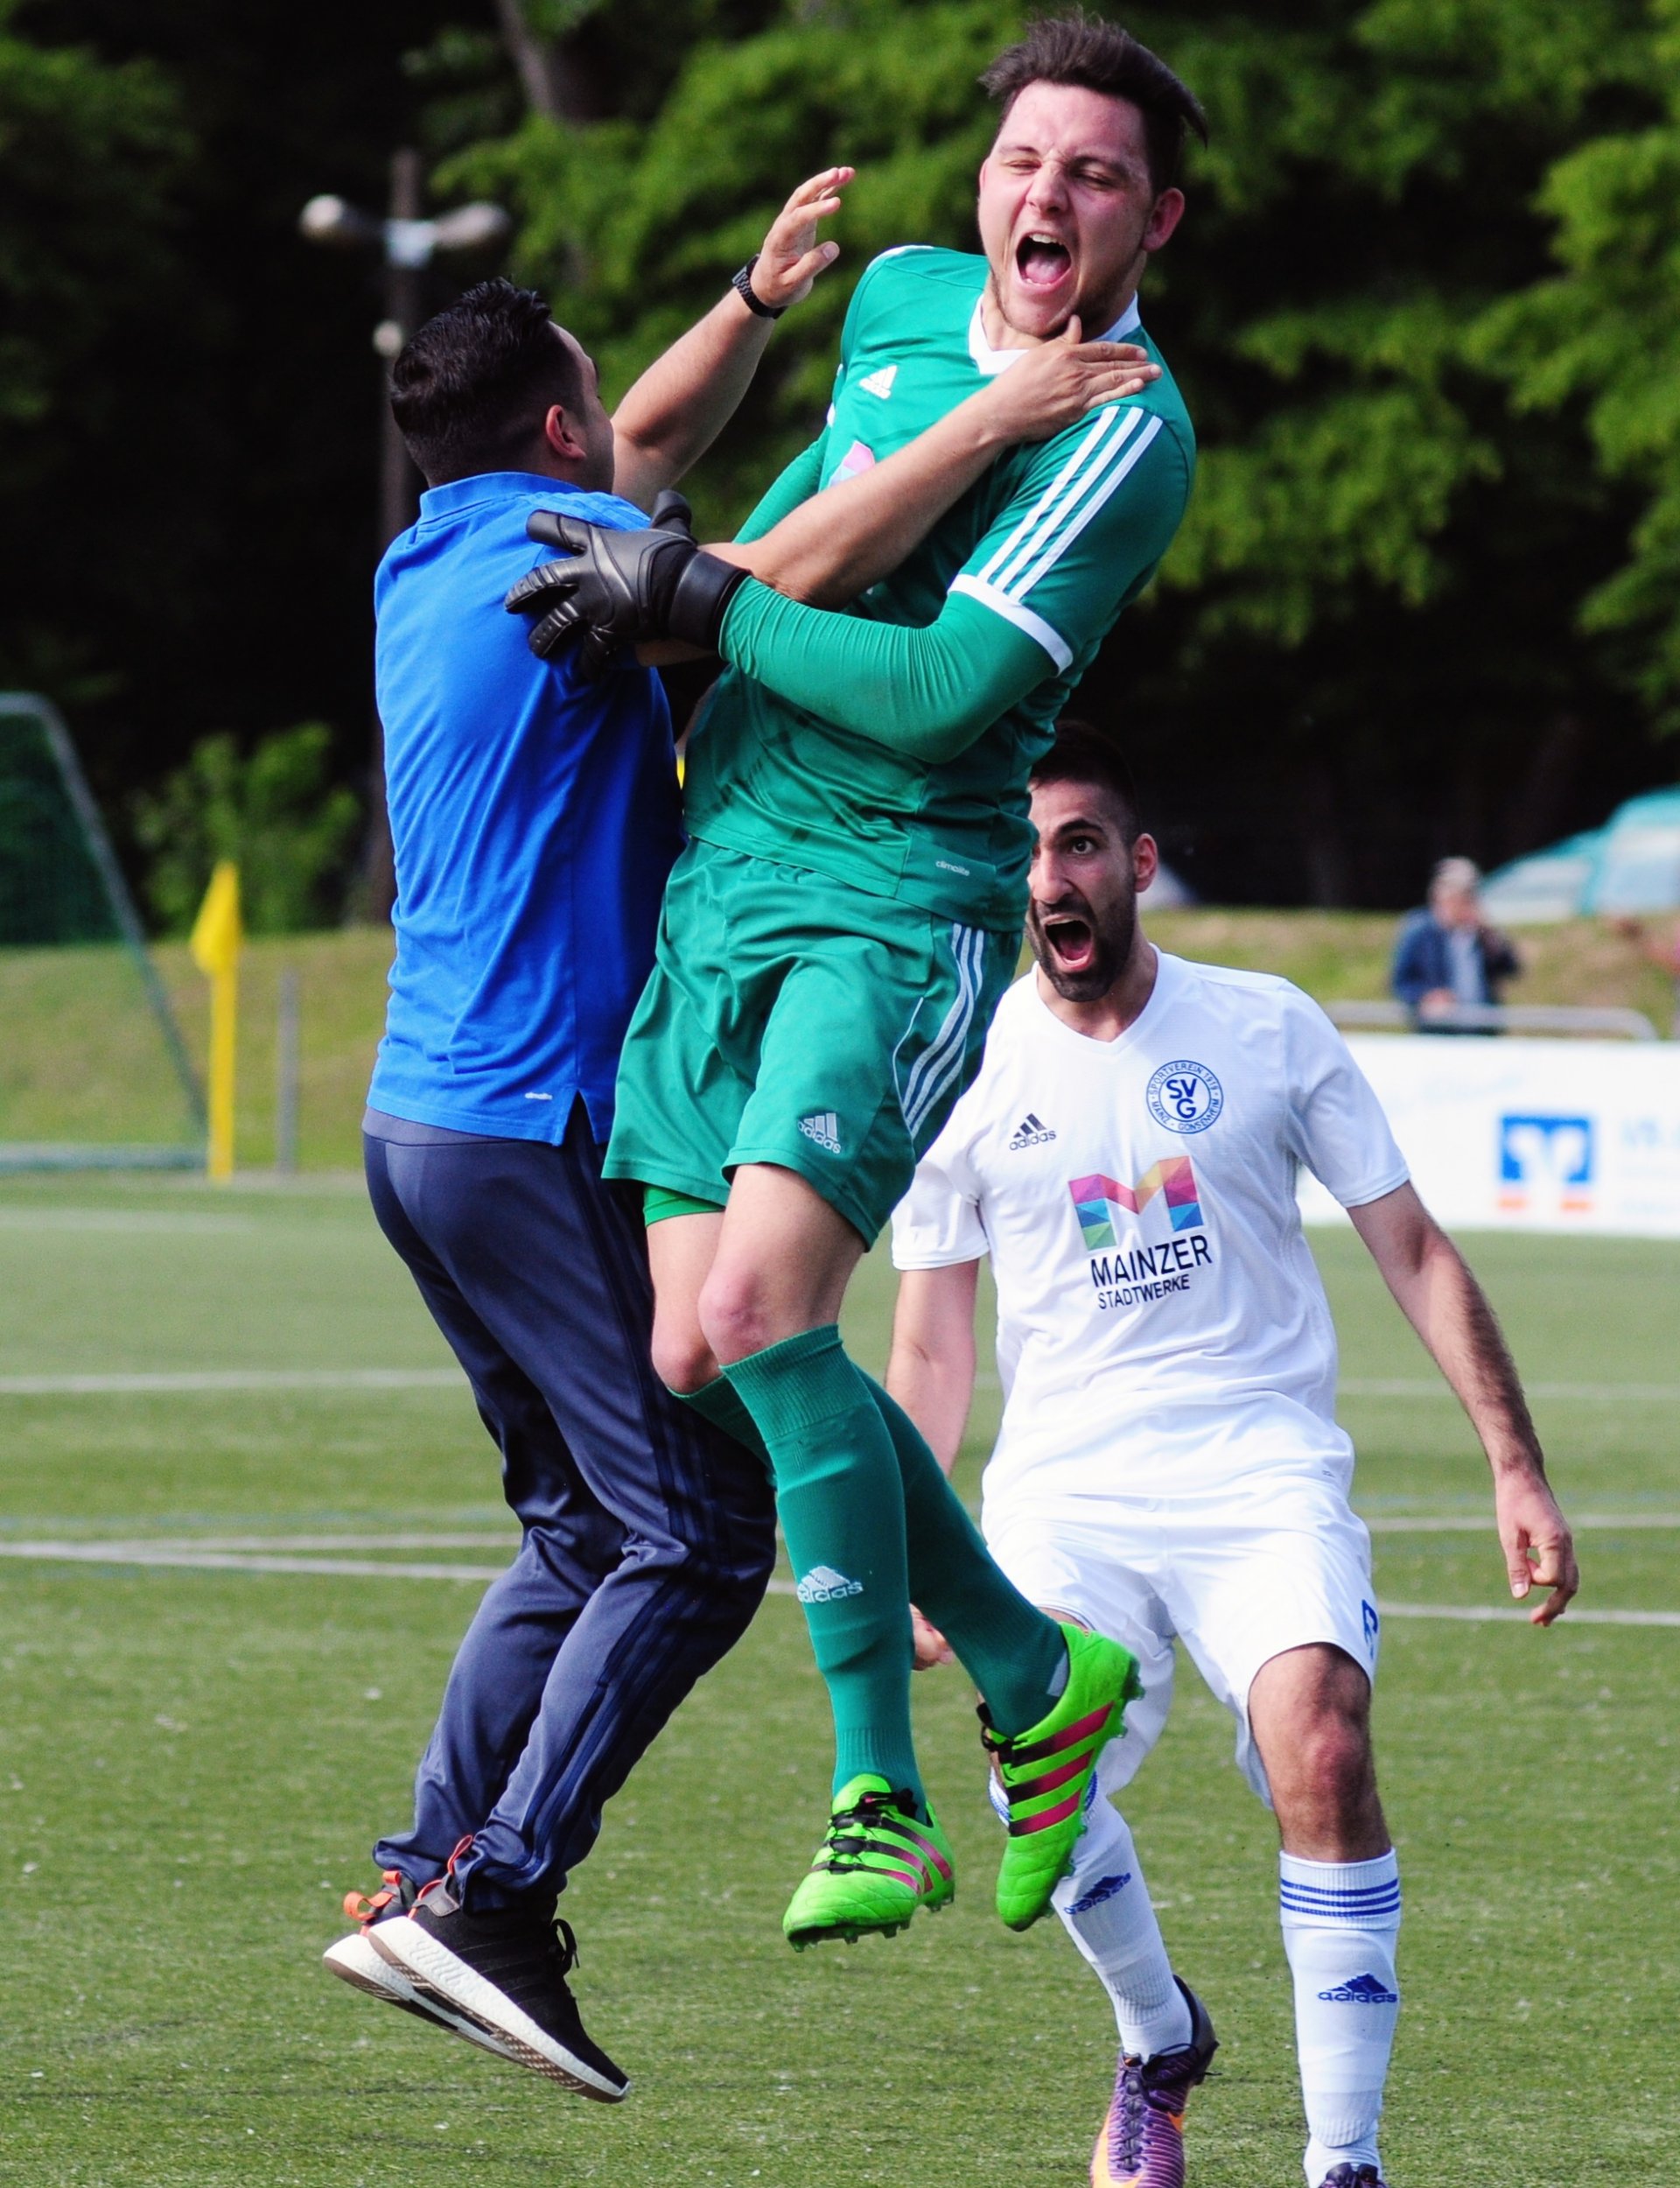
x=1110 y=948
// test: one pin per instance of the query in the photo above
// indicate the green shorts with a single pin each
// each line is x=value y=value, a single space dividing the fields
x=793 y=1020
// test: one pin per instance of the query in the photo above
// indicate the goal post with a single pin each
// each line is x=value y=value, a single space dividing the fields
x=94 y=1072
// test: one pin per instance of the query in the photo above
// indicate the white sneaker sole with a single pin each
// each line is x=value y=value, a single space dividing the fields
x=355 y=1962
x=443 y=1975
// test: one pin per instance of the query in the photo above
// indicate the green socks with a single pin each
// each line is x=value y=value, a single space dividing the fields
x=841 y=1500
x=719 y=1402
x=796 y=1405
x=1014 y=1654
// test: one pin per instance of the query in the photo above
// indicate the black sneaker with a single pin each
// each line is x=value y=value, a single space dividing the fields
x=1345 y=2176
x=355 y=1962
x=506 y=1970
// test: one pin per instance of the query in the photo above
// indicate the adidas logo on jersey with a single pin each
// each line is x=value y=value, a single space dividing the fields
x=1364 y=1990
x=824 y=1129
x=880 y=382
x=823 y=1585
x=1032 y=1132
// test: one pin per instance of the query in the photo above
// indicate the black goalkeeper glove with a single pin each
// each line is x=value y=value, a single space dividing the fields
x=619 y=588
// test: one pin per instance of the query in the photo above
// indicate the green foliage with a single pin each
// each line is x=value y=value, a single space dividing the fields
x=91 y=155
x=1604 y=334
x=275 y=811
x=1426 y=307
x=1381 y=579
x=634 y=231
x=87 y=155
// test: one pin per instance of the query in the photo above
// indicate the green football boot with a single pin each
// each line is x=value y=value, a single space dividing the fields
x=1046 y=1771
x=878 y=1864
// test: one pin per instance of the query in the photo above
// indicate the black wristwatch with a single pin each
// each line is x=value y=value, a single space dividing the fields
x=742 y=285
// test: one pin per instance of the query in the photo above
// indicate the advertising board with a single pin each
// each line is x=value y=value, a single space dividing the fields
x=1531 y=1135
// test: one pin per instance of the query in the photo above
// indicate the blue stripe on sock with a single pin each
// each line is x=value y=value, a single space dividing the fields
x=1339 y=1911
x=1339 y=1891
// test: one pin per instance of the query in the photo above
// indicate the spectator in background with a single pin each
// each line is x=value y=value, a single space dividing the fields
x=1447 y=959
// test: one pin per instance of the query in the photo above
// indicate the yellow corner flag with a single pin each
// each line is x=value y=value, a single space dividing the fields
x=214 y=944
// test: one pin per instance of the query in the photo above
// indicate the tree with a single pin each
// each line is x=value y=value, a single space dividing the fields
x=91 y=160
x=1606 y=330
x=1364 y=650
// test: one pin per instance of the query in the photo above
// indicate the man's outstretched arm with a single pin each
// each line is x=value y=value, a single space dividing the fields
x=826 y=551
x=685 y=398
x=1081 y=537
x=931 y=1373
x=1450 y=1311
x=930 y=1370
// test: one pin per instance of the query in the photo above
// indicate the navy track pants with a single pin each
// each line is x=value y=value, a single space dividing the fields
x=648 y=1535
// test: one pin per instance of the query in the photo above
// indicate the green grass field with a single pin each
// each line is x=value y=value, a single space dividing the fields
x=197 y=1759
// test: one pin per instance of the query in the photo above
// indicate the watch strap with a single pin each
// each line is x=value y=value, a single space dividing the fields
x=742 y=285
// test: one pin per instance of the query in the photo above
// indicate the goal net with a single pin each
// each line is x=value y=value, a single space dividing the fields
x=93 y=1074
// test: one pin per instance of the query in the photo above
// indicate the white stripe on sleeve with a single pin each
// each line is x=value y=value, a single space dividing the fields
x=1023 y=618
x=1073 y=478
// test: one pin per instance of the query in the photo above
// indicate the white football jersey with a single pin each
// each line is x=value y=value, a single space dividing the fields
x=1161 y=1325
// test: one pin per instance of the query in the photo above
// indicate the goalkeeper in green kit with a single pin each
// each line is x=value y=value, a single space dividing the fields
x=849 y=910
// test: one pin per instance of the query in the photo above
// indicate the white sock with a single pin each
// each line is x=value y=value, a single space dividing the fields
x=1105 y=1908
x=1340 y=1921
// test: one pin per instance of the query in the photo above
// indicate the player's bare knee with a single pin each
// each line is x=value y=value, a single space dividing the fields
x=736 y=1318
x=683 y=1359
x=1335 y=1767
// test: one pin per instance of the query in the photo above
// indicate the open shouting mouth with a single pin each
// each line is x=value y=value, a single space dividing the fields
x=1042 y=260
x=1071 y=942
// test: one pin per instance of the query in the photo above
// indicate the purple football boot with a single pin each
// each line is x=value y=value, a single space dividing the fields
x=1142 y=2142
x=1352 y=2176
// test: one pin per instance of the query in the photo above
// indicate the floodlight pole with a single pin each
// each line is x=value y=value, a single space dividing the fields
x=398 y=493
x=407 y=243
x=404 y=269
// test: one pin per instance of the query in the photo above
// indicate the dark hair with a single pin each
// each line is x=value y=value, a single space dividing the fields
x=472 y=387
x=1082 y=754
x=1083 y=49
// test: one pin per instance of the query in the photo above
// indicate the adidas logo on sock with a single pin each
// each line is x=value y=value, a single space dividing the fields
x=1364 y=1990
x=823 y=1585
x=1107 y=1888
x=824 y=1129
x=1032 y=1132
x=880 y=382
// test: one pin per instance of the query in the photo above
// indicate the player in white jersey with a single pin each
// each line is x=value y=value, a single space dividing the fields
x=1169 y=1465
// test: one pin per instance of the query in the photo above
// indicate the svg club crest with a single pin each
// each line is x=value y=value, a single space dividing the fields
x=1185 y=1096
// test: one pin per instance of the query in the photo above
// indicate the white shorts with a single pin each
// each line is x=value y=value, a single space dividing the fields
x=1238 y=1578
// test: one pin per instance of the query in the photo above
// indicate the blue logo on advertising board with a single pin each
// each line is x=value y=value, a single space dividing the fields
x=1546 y=1159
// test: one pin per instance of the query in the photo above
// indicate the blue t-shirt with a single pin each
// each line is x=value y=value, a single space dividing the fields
x=535 y=818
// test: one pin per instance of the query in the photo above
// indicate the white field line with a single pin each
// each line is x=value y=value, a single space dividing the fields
x=130 y=1547
x=1469 y=1523
x=196 y=1560
x=1488 y=1614
x=1433 y=1387
x=208 y=1381
x=201 y=1559
x=1585 y=1393
x=192 y=1382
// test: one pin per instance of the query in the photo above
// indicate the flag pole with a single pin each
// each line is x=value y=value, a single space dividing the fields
x=215 y=944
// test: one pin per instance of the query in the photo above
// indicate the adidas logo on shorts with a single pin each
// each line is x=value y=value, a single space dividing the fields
x=823 y=1585
x=1032 y=1132
x=824 y=1129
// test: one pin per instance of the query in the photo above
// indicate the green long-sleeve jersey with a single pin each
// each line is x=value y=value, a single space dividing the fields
x=889 y=745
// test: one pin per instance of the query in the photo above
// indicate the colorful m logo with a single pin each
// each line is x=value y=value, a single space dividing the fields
x=1096 y=1198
